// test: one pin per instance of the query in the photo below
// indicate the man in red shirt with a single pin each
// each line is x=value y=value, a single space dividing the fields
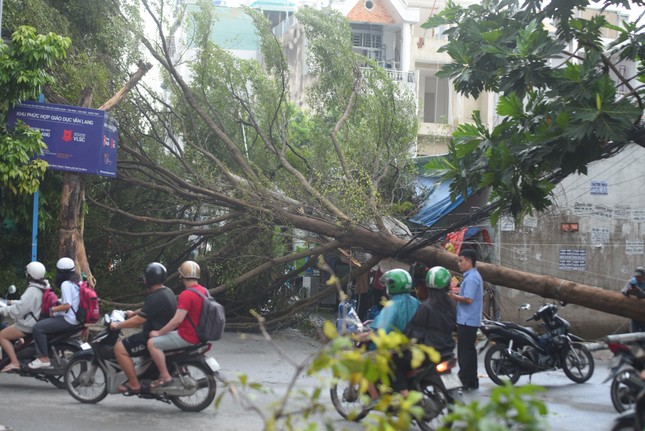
x=167 y=338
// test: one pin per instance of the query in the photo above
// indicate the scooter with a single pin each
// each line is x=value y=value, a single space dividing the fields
x=629 y=357
x=61 y=345
x=518 y=350
x=94 y=372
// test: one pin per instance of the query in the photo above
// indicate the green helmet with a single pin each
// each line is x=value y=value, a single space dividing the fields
x=438 y=277
x=396 y=281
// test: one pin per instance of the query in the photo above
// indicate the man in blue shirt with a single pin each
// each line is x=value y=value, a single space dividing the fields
x=469 y=317
x=636 y=286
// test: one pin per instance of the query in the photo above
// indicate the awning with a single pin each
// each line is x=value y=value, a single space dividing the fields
x=438 y=203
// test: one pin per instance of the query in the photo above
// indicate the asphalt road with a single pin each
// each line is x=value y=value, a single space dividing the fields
x=30 y=405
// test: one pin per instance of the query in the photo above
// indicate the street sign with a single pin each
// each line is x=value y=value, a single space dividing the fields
x=78 y=139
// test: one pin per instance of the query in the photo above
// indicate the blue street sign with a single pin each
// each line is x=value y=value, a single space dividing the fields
x=78 y=139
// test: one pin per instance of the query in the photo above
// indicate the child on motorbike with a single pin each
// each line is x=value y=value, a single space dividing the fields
x=26 y=311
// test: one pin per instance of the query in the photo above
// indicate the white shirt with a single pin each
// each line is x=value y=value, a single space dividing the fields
x=71 y=295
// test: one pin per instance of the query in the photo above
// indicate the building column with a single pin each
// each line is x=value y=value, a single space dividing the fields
x=405 y=46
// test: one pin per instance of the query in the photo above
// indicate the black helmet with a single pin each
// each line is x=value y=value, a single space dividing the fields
x=155 y=273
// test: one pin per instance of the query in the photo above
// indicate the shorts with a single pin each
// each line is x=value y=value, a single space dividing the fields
x=135 y=344
x=170 y=341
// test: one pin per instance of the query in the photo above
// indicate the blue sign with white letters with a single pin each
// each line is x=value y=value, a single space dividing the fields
x=78 y=139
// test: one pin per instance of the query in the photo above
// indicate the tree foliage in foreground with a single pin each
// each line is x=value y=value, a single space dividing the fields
x=559 y=103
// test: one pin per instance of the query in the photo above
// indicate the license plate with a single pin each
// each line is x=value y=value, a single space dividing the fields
x=213 y=364
x=450 y=381
x=85 y=346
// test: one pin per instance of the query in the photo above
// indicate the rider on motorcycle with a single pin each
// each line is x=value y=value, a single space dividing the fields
x=67 y=280
x=432 y=325
x=158 y=308
x=180 y=331
x=26 y=311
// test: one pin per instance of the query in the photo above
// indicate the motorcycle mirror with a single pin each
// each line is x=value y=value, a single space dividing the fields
x=525 y=307
x=12 y=289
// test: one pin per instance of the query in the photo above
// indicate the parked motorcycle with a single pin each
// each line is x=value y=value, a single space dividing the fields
x=629 y=357
x=633 y=419
x=439 y=386
x=518 y=350
x=94 y=372
x=62 y=346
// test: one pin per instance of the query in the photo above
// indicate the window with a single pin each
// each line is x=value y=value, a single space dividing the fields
x=436 y=100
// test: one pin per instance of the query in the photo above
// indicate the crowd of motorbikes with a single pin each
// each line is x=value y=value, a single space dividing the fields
x=89 y=370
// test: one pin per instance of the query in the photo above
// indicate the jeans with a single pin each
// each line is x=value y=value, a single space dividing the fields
x=48 y=326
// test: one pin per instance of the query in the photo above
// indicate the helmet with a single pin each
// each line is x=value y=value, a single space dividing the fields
x=35 y=271
x=155 y=273
x=189 y=269
x=65 y=264
x=396 y=281
x=438 y=277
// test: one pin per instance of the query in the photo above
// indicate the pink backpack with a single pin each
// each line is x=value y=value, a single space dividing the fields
x=88 y=305
x=50 y=299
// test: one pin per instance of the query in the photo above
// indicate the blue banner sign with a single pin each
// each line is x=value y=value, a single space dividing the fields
x=78 y=139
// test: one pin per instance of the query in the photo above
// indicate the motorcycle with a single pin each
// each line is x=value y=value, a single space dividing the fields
x=518 y=350
x=440 y=388
x=94 y=372
x=633 y=419
x=629 y=357
x=61 y=345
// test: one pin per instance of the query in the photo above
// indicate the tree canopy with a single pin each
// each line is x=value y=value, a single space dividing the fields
x=570 y=92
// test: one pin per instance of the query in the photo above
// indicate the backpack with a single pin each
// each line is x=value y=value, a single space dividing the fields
x=88 y=304
x=212 y=319
x=50 y=299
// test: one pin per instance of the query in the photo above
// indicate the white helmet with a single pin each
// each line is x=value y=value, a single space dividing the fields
x=35 y=271
x=65 y=264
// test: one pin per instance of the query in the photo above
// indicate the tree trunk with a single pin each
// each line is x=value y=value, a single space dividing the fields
x=570 y=292
x=72 y=226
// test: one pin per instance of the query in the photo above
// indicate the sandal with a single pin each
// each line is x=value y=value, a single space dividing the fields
x=161 y=383
x=125 y=388
x=11 y=368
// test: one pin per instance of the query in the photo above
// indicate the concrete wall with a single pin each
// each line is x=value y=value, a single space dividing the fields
x=608 y=204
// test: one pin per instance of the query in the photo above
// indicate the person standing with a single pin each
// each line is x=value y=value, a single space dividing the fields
x=636 y=287
x=469 y=316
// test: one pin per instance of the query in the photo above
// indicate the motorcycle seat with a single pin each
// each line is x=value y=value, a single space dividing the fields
x=527 y=329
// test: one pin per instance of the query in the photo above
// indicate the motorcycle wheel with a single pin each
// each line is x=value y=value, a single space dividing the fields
x=624 y=423
x=622 y=396
x=206 y=387
x=498 y=366
x=578 y=364
x=435 y=406
x=86 y=388
x=65 y=352
x=346 y=399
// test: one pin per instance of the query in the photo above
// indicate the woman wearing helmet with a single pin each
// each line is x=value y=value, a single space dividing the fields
x=26 y=311
x=398 y=311
x=63 y=315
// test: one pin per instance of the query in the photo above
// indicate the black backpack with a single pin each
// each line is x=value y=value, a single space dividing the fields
x=212 y=319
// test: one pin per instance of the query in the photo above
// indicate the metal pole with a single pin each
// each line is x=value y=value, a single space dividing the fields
x=1 y=19
x=34 y=215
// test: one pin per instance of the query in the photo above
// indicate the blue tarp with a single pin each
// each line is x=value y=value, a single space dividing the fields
x=438 y=203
